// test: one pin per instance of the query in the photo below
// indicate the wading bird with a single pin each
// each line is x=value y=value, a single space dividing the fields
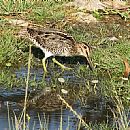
x=55 y=43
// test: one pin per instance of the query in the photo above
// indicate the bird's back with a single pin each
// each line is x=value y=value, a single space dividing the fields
x=58 y=43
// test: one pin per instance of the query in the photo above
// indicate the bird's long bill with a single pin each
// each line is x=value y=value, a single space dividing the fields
x=89 y=63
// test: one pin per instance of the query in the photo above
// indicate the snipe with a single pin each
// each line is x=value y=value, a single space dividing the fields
x=55 y=43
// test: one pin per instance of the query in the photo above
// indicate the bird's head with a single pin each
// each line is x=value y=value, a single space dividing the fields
x=84 y=50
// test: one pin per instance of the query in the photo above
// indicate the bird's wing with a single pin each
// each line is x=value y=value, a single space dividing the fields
x=60 y=36
x=52 y=35
x=54 y=41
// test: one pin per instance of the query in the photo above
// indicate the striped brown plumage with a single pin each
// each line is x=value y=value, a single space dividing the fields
x=56 y=43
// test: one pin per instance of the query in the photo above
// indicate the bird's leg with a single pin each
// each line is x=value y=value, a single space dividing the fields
x=44 y=64
x=61 y=65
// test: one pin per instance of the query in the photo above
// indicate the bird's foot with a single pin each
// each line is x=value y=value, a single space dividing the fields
x=61 y=65
x=44 y=66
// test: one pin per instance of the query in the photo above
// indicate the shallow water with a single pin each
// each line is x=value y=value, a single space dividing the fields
x=51 y=120
x=48 y=120
x=37 y=73
x=93 y=111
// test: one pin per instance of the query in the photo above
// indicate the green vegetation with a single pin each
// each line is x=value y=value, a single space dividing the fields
x=109 y=38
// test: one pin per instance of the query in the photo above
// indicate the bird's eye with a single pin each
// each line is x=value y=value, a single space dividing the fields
x=85 y=47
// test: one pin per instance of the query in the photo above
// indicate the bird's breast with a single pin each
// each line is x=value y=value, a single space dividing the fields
x=46 y=51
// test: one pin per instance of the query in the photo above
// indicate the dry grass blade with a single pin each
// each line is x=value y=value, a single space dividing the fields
x=75 y=113
x=26 y=91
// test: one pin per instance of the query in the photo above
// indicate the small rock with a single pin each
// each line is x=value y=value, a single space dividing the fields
x=84 y=17
x=62 y=80
x=94 y=81
x=90 y=5
x=64 y=91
